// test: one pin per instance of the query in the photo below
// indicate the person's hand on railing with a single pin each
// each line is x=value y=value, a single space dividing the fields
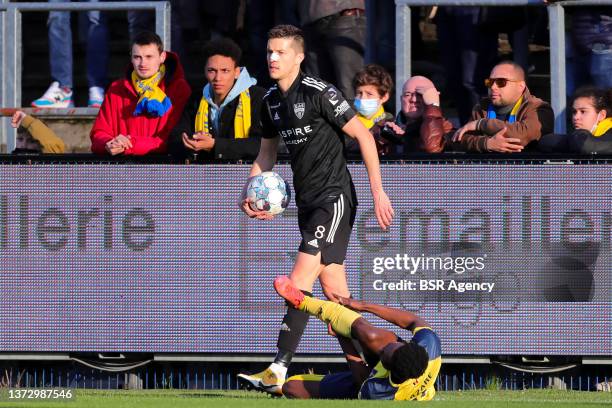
x=118 y=144
x=17 y=118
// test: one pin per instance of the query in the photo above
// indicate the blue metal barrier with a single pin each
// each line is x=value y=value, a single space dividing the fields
x=205 y=378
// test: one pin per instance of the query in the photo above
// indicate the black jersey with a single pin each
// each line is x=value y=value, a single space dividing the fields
x=310 y=118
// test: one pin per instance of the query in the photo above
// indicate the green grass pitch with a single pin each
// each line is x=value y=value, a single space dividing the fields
x=232 y=399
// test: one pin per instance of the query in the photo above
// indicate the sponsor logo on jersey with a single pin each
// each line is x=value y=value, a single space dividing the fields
x=284 y=327
x=276 y=117
x=299 y=109
x=341 y=109
x=313 y=243
x=332 y=96
x=275 y=106
x=296 y=135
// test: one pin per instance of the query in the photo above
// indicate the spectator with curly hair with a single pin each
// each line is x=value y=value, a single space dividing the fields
x=372 y=85
x=222 y=121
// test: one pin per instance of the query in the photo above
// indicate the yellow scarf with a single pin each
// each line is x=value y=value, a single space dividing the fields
x=603 y=127
x=371 y=121
x=242 y=119
x=151 y=99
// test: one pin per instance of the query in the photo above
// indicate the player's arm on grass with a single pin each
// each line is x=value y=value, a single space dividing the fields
x=382 y=206
x=264 y=162
x=398 y=317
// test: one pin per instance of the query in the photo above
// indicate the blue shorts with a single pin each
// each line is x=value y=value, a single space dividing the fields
x=338 y=386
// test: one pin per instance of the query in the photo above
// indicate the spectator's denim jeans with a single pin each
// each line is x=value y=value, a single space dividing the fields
x=467 y=53
x=185 y=14
x=93 y=30
x=601 y=67
x=593 y=68
x=335 y=50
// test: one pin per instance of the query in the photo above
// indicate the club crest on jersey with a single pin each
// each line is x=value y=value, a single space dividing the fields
x=299 y=109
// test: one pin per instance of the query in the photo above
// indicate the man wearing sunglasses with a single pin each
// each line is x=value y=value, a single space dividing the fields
x=509 y=119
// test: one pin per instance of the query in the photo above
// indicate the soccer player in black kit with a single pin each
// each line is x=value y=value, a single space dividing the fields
x=312 y=117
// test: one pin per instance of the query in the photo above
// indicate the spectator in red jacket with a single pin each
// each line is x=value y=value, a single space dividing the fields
x=140 y=110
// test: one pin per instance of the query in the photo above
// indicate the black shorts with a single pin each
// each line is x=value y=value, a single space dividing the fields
x=327 y=229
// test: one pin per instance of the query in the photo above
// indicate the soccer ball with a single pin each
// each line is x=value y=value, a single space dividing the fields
x=269 y=192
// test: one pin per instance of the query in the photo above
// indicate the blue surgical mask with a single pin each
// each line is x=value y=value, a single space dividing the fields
x=367 y=107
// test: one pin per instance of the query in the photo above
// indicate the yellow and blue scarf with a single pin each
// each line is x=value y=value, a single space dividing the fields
x=151 y=99
x=242 y=119
x=374 y=119
x=512 y=118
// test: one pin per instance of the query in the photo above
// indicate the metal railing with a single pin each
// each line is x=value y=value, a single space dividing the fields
x=223 y=377
x=11 y=44
x=556 y=16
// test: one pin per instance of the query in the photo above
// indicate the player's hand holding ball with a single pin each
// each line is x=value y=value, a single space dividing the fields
x=245 y=206
x=265 y=196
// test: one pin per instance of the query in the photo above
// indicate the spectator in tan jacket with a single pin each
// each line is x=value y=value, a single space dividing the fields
x=33 y=136
x=510 y=119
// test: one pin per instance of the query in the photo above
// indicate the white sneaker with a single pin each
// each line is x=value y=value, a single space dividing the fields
x=55 y=97
x=96 y=97
x=268 y=380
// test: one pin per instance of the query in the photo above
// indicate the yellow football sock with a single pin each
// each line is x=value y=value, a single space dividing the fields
x=340 y=318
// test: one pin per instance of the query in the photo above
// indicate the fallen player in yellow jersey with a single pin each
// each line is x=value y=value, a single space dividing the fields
x=394 y=369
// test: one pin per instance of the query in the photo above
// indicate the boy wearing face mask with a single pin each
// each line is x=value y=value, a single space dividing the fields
x=372 y=86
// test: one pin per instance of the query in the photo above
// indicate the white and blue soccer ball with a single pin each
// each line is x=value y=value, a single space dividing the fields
x=268 y=191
